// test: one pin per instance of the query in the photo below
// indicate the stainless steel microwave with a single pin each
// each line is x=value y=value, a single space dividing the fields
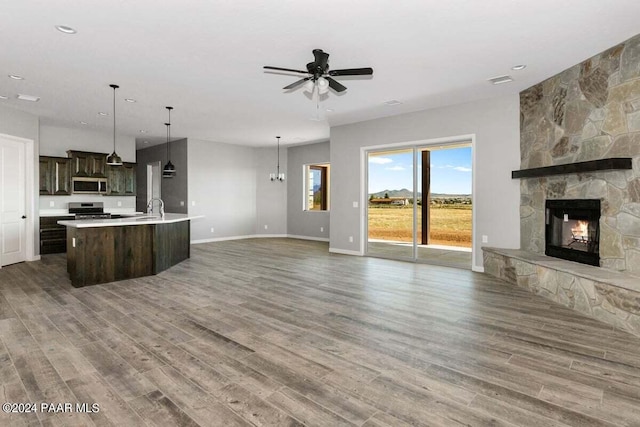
x=89 y=185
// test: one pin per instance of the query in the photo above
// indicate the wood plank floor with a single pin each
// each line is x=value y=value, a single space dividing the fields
x=280 y=332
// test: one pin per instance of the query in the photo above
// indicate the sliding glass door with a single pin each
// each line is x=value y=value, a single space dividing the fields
x=390 y=216
x=420 y=204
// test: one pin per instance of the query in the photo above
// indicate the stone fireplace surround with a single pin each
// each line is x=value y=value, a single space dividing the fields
x=586 y=113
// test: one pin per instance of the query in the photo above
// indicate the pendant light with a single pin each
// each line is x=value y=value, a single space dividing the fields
x=113 y=159
x=277 y=176
x=169 y=169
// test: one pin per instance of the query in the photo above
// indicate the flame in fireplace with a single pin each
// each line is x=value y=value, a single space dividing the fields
x=581 y=230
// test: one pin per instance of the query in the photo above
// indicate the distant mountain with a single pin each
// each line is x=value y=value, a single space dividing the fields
x=408 y=194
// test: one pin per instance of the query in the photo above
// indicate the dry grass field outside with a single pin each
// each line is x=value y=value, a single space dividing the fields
x=450 y=224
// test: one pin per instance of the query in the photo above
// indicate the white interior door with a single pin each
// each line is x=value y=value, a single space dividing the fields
x=12 y=202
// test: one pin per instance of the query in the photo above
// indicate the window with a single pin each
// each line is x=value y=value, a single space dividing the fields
x=316 y=187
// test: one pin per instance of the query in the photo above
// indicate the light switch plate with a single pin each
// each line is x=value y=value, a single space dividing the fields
x=181 y=202
x=119 y=203
x=355 y=204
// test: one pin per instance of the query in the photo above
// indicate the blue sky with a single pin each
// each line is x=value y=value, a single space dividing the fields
x=450 y=171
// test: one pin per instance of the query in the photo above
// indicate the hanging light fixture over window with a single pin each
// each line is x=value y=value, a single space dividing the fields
x=113 y=159
x=278 y=176
x=169 y=169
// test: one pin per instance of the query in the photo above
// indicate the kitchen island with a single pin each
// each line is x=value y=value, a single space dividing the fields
x=108 y=250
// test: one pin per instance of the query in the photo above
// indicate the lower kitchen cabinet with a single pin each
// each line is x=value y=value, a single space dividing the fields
x=53 y=237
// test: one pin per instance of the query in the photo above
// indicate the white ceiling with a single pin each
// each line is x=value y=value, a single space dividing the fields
x=205 y=59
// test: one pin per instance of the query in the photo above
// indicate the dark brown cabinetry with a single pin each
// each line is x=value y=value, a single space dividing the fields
x=121 y=180
x=53 y=237
x=55 y=176
x=86 y=164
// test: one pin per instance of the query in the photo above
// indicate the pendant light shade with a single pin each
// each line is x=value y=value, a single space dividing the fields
x=113 y=159
x=169 y=169
x=278 y=176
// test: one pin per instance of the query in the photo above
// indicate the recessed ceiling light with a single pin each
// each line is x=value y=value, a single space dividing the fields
x=15 y=77
x=142 y=131
x=145 y=142
x=30 y=98
x=329 y=110
x=501 y=79
x=101 y=113
x=83 y=123
x=519 y=67
x=65 y=29
x=4 y=97
x=392 y=102
x=130 y=100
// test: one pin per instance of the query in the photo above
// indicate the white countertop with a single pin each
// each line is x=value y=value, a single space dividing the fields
x=65 y=212
x=134 y=220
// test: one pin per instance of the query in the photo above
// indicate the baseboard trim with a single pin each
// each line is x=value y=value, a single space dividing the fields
x=249 y=236
x=33 y=258
x=344 y=252
x=477 y=269
x=317 y=239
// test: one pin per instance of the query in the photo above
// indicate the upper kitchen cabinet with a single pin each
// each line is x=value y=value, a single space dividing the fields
x=55 y=176
x=87 y=164
x=121 y=180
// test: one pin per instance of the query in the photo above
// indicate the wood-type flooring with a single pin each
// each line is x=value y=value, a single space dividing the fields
x=280 y=332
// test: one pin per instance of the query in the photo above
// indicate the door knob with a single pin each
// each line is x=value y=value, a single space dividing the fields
x=24 y=217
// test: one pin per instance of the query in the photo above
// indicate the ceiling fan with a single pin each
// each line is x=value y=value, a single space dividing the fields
x=319 y=73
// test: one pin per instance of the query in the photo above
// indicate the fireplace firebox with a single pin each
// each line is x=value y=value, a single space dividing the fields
x=572 y=230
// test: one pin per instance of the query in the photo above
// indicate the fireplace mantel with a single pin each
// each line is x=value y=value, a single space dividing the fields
x=579 y=167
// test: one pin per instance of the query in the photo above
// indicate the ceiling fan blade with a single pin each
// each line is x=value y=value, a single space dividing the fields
x=322 y=58
x=296 y=84
x=335 y=85
x=352 y=72
x=267 y=67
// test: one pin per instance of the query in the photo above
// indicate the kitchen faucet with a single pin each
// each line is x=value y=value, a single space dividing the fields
x=150 y=206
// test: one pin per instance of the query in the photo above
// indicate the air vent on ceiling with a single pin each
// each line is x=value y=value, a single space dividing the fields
x=392 y=102
x=31 y=98
x=501 y=79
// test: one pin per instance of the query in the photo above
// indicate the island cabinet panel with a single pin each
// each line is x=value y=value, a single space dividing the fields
x=109 y=254
x=171 y=245
x=112 y=253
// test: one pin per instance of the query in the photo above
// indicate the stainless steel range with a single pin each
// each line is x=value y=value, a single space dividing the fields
x=88 y=210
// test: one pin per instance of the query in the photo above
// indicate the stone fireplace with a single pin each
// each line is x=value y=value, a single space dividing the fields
x=589 y=112
x=572 y=230
x=580 y=190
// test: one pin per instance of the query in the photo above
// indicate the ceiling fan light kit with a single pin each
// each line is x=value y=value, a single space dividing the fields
x=320 y=75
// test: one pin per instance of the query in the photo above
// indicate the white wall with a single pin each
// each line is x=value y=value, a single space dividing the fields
x=55 y=141
x=301 y=222
x=496 y=126
x=271 y=196
x=222 y=187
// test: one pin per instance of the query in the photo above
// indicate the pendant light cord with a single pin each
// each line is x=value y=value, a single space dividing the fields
x=114 y=116
x=278 y=156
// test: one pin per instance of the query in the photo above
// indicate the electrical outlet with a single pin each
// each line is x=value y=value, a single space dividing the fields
x=181 y=202
x=350 y=239
x=119 y=203
x=212 y=229
x=266 y=227
x=322 y=229
x=51 y=203
x=485 y=238
x=193 y=203
x=355 y=204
